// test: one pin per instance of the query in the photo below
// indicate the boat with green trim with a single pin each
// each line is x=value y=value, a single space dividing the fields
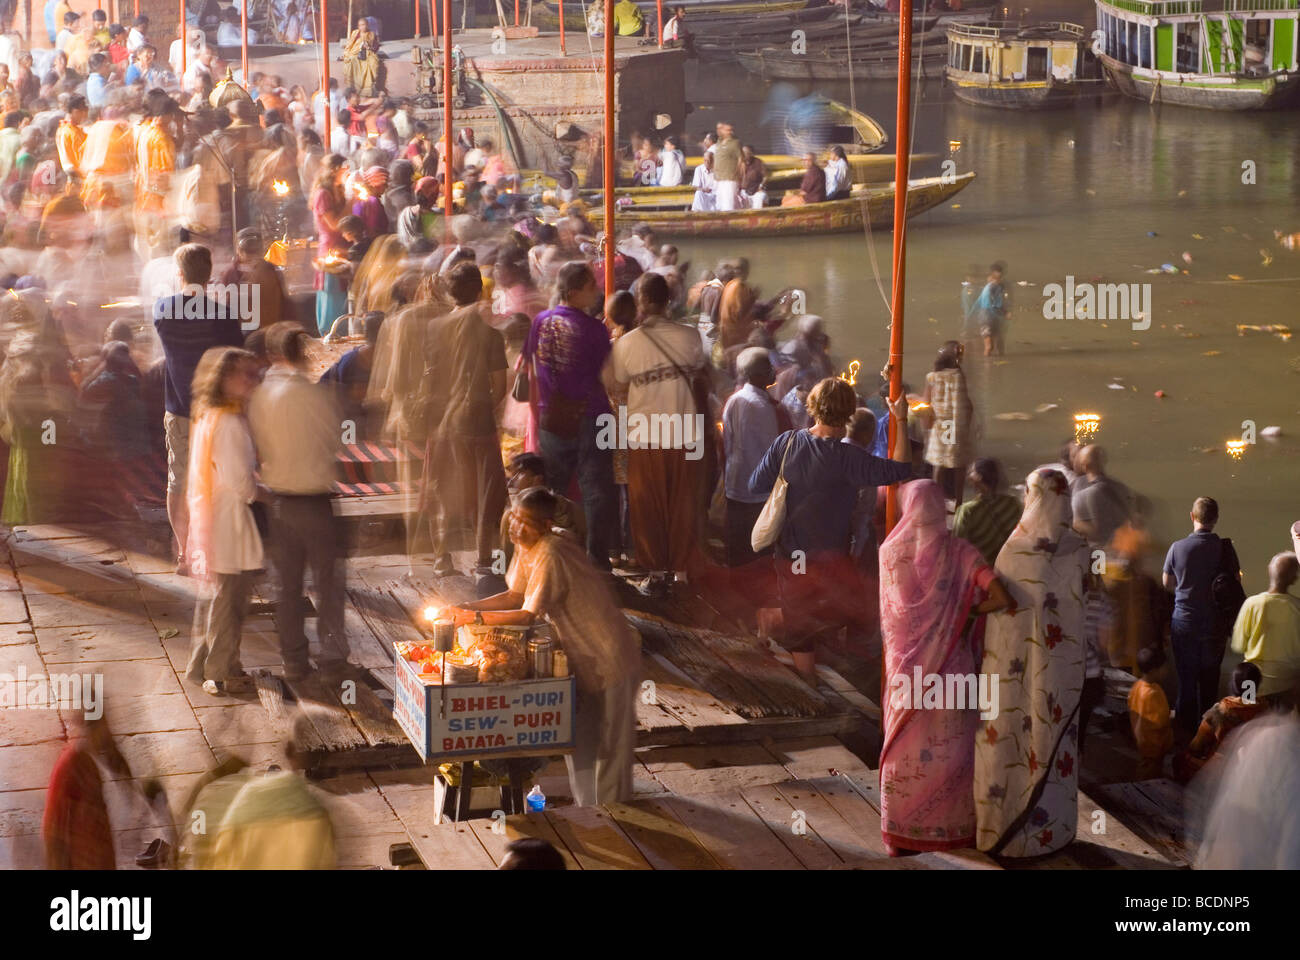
x=1026 y=66
x=1212 y=54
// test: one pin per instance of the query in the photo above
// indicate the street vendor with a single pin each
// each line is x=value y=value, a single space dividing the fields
x=550 y=578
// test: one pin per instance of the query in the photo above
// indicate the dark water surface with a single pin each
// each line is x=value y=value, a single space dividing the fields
x=1075 y=192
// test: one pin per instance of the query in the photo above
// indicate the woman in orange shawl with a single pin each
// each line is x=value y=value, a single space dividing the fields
x=224 y=545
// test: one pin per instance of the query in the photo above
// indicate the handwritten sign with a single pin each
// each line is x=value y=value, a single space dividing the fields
x=484 y=719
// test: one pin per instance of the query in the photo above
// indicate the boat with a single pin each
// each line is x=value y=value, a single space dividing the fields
x=1240 y=56
x=873 y=205
x=815 y=123
x=928 y=59
x=1017 y=65
x=737 y=7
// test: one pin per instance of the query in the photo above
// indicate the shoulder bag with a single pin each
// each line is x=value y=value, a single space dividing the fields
x=772 y=518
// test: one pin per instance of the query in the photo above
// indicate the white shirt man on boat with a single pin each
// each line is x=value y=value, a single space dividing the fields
x=837 y=175
x=705 y=186
x=672 y=164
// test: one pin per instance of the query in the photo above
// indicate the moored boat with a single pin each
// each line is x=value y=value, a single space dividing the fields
x=1017 y=65
x=867 y=205
x=1238 y=56
x=928 y=60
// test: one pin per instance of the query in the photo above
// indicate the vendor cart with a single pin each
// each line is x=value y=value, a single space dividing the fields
x=462 y=723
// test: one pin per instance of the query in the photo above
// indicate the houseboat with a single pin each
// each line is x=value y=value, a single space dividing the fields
x=1017 y=65
x=1213 y=54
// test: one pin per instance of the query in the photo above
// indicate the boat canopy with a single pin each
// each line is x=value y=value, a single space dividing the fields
x=1229 y=38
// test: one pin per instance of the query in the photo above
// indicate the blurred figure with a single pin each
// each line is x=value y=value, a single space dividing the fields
x=1148 y=715
x=751 y=421
x=1220 y=720
x=950 y=445
x=1251 y=820
x=270 y=296
x=986 y=521
x=297 y=429
x=223 y=545
x=531 y=853
x=274 y=822
x=1101 y=503
x=76 y=830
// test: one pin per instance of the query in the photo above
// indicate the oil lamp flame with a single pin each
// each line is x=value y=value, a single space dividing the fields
x=431 y=613
x=280 y=187
x=1236 y=449
x=851 y=375
x=1086 y=426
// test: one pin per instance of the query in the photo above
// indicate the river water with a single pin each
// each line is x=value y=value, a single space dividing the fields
x=1075 y=192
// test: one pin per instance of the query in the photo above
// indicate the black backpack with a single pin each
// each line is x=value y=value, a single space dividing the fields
x=1226 y=591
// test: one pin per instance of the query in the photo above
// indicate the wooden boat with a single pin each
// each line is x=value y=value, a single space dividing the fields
x=783 y=170
x=1238 y=57
x=833 y=64
x=867 y=205
x=737 y=7
x=816 y=123
x=1016 y=65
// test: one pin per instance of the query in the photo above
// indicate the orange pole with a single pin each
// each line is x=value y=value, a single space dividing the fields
x=562 y=52
x=325 y=69
x=183 y=44
x=417 y=19
x=903 y=148
x=516 y=13
x=137 y=8
x=609 y=147
x=659 y=12
x=243 y=41
x=433 y=22
x=448 y=175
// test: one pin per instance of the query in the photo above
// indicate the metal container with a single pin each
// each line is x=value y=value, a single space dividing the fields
x=444 y=635
x=541 y=657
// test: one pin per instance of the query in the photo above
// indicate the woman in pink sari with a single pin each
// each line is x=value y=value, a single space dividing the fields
x=931 y=583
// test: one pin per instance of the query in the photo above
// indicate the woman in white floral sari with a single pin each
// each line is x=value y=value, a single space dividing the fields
x=1026 y=759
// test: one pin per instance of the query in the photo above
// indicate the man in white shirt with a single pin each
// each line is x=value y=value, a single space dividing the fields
x=70 y=27
x=198 y=68
x=230 y=33
x=672 y=164
x=194 y=40
x=137 y=37
x=655 y=366
x=837 y=175
x=640 y=247
x=751 y=420
x=673 y=29
x=297 y=429
x=704 y=185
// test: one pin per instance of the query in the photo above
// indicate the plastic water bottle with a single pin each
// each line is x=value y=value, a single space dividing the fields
x=536 y=800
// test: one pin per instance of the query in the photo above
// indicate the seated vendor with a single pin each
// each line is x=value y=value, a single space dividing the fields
x=526 y=471
x=550 y=578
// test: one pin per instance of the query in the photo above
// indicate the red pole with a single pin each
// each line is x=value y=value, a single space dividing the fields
x=417 y=19
x=183 y=44
x=433 y=22
x=137 y=8
x=901 y=158
x=659 y=13
x=562 y=53
x=325 y=69
x=516 y=13
x=448 y=175
x=243 y=41
x=609 y=147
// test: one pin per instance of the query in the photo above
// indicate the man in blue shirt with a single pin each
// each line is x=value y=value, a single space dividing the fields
x=189 y=323
x=97 y=83
x=1197 y=638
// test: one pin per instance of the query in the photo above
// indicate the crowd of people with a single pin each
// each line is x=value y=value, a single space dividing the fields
x=577 y=434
